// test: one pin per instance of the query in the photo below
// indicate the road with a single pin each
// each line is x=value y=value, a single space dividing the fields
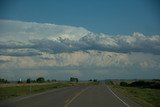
x=77 y=96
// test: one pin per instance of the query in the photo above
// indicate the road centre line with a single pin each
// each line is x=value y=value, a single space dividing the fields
x=78 y=94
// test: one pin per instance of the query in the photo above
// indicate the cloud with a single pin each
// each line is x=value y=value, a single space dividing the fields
x=24 y=31
x=3 y=61
x=19 y=52
x=30 y=46
x=121 y=44
x=58 y=39
x=93 y=64
x=13 y=45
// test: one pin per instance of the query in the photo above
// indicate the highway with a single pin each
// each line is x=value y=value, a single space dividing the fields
x=76 y=96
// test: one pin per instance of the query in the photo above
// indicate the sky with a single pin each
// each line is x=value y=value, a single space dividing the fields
x=102 y=16
x=103 y=39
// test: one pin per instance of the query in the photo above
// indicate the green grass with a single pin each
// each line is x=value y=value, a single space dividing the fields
x=26 y=89
x=145 y=97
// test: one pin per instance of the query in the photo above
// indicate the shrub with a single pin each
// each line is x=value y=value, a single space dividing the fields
x=28 y=80
x=145 y=84
x=90 y=80
x=40 y=80
x=72 y=79
x=123 y=84
x=137 y=84
x=3 y=81
x=94 y=80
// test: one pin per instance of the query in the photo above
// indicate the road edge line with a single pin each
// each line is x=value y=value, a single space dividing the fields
x=127 y=105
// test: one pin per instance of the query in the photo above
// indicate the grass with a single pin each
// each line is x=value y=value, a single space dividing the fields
x=25 y=89
x=144 y=96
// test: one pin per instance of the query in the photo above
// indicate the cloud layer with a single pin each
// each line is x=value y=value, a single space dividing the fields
x=57 y=39
x=30 y=45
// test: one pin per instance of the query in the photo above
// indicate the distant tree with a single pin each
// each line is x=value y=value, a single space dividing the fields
x=19 y=81
x=76 y=79
x=94 y=80
x=72 y=79
x=40 y=80
x=90 y=80
x=3 y=81
x=28 y=80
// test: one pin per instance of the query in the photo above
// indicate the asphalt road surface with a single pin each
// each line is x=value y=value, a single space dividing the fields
x=77 y=96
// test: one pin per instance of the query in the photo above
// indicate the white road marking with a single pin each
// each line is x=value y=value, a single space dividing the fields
x=118 y=97
x=78 y=94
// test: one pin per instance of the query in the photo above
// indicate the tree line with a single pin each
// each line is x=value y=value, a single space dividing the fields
x=42 y=80
x=38 y=80
x=3 y=80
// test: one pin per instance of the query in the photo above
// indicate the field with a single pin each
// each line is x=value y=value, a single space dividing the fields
x=14 y=90
x=144 y=96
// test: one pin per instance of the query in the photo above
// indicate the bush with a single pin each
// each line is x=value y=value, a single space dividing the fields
x=123 y=84
x=137 y=84
x=72 y=79
x=111 y=82
x=40 y=80
x=145 y=84
x=3 y=81
x=90 y=80
x=94 y=80
x=28 y=80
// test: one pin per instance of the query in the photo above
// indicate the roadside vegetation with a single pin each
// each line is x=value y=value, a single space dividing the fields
x=3 y=81
x=146 y=92
x=22 y=88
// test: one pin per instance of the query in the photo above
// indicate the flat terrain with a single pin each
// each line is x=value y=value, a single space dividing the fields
x=75 y=96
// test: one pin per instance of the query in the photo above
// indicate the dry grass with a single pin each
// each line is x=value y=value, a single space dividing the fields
x=144 y=96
